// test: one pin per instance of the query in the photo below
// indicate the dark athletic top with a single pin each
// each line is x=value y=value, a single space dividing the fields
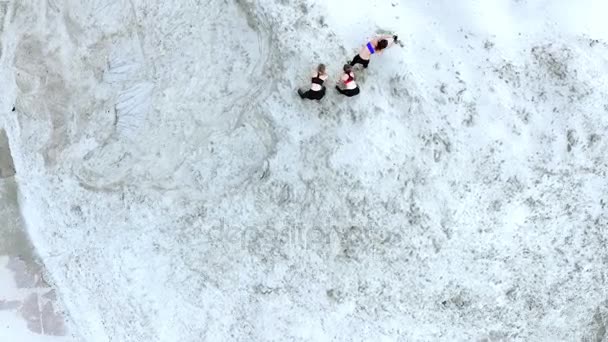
x=317 y=80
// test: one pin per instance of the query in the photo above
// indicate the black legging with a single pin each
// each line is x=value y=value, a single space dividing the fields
x=359 y=60
x=312 y=94
x=348 y=92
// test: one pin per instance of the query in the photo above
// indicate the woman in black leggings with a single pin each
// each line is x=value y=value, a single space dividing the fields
x=317 y=89
x=375 y=46
x=349 y=88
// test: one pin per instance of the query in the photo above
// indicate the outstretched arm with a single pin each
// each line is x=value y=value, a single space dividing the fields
x=391 y=38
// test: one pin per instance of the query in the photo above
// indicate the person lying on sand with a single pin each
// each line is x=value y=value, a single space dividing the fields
x=375 y=46
x=350 y=88
x=317 y=89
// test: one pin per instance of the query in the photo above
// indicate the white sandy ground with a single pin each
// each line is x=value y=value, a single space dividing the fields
x=177 y=189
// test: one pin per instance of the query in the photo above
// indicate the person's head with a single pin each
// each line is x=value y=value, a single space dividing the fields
x=347 y=68
x=321 y=68
x=382 y=44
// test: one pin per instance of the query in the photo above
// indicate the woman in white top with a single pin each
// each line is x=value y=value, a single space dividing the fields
x=349 y=86
x=317 y=89
x=375 y=46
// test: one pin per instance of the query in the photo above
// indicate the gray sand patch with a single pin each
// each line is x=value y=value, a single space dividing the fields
x=7 y=168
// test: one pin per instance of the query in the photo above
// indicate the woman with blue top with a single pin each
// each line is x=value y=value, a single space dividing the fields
x=374 y=47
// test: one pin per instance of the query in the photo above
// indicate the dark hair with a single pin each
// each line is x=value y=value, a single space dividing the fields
x=347 y=68
x=321 y=68
x=382 y=44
